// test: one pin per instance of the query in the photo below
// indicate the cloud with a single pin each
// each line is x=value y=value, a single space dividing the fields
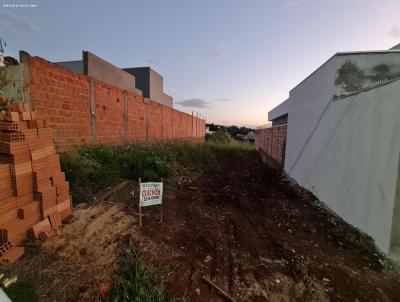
x=18 y=24
x=294 y=3
x=223 y=100
x=394 y=32
x=152 y=61
x=218 y=51
x=195 y=103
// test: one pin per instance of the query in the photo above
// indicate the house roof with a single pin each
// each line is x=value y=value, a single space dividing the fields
x=396 y=47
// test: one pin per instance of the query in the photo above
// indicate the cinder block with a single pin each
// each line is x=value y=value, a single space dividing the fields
x=13 y=255
x=40 y=227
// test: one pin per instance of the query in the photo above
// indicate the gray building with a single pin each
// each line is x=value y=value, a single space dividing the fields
x=151 y=83
x=76 y=66
x=144 y=81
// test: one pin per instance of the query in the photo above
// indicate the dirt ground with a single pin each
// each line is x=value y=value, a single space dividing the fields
x=244 y=227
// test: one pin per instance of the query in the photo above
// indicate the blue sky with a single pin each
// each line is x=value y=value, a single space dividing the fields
x=233 y=60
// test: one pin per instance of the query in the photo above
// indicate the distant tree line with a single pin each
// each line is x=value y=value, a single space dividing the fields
x=232 y=130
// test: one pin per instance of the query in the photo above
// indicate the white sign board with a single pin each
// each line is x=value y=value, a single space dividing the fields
x=150 y=193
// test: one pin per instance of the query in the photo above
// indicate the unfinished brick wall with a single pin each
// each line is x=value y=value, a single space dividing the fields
x=271 y=143
x=82 y=110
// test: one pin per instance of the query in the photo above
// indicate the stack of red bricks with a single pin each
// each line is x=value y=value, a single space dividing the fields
x=34 y=195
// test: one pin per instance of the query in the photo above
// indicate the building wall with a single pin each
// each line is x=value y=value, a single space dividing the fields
x=279 y=121
x=142 y=76
x=100 y=69
x=278 y=111
x=67 y=100
x=151 y=83
x=157 y=88
x=346 y=150
x=76 y=66
x=168 y=100
x=270 y=143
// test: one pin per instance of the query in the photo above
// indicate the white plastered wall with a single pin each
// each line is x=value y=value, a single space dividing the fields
x=346 y=151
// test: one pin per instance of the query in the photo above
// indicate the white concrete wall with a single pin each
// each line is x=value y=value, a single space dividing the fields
x=347 y=151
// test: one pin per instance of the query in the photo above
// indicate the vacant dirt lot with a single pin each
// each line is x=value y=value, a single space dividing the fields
x=242 y=226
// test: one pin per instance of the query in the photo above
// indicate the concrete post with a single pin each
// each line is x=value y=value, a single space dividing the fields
x=126 y=116
x=92 y=110
x=197 y=124
x=192 y=125
x=162 y=120
x=147 y=123
x=172 y=124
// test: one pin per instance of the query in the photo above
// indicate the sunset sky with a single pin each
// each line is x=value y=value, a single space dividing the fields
x=231 y=61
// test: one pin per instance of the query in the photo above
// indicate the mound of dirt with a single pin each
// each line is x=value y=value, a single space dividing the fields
x=73 y=265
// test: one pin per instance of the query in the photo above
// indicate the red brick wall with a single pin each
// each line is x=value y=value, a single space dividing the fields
x=109 y=113
x=271 y=143
x=63 y=98
x=136 y=119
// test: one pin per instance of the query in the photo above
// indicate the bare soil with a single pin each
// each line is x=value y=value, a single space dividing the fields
x=243 y=226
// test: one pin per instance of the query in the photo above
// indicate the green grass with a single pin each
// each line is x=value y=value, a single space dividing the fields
x=135 y=282
x=91 y=169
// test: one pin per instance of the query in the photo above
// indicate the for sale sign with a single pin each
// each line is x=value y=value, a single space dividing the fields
x=150 y=193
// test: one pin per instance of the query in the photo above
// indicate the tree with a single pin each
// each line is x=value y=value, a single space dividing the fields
x=381 y=72
x=350 y=77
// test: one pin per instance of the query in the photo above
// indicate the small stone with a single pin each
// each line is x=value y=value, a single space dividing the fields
x=207 y=259
x=105 y=287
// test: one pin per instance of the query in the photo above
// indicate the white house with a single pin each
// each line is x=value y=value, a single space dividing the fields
x=343 y=140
